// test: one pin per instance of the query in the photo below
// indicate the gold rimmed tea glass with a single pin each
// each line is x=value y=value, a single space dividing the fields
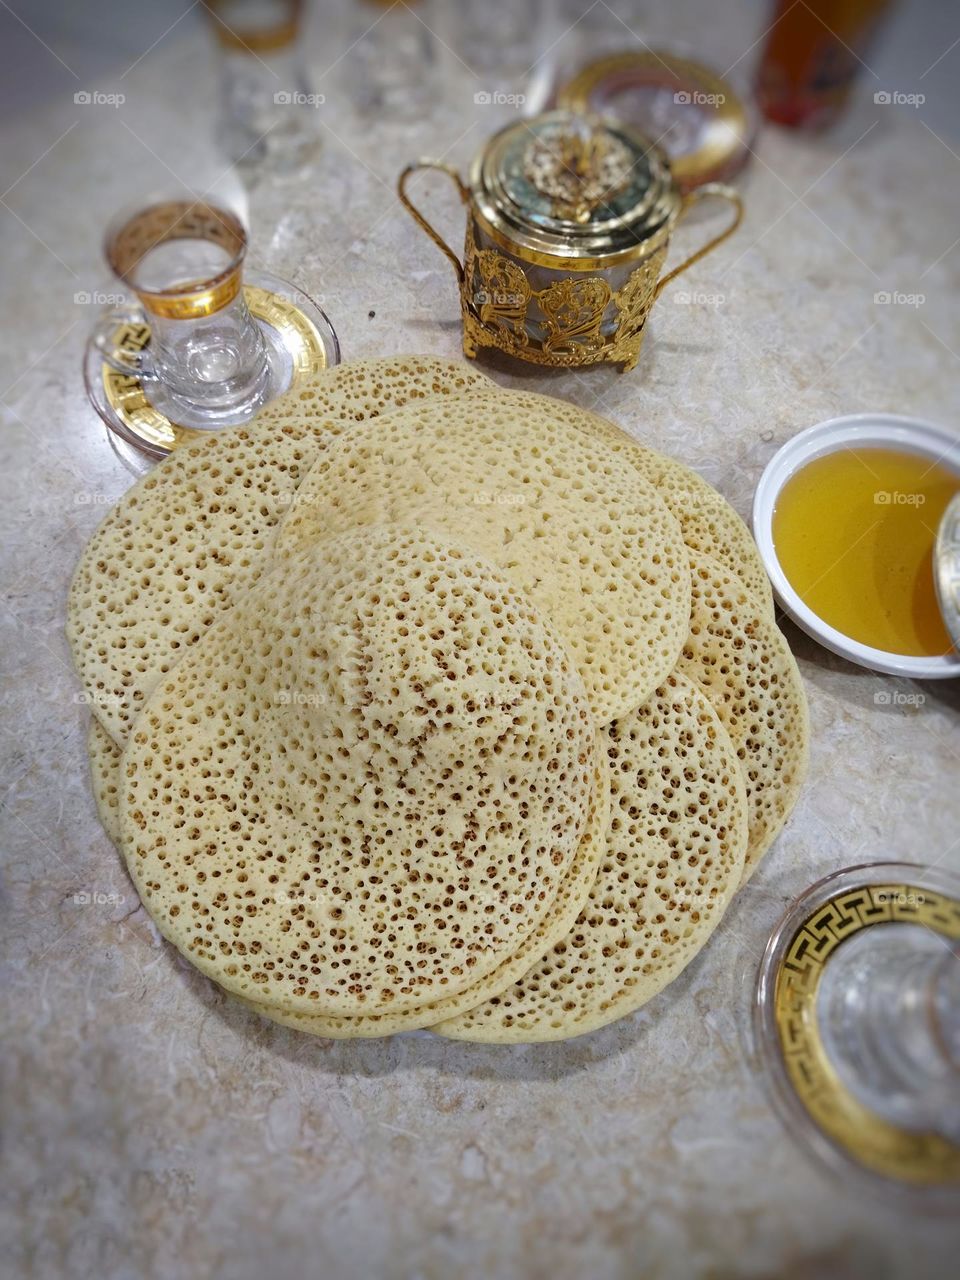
x=857 y=1022
x=269 y=112
x=206 y=363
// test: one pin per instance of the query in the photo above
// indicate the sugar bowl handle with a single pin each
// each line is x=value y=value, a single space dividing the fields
x=710 y=190
x=418 y=217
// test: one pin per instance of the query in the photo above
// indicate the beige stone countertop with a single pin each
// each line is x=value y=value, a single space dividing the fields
x=154 y=1128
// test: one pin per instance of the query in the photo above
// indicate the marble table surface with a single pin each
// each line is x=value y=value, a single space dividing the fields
x=155 y=1128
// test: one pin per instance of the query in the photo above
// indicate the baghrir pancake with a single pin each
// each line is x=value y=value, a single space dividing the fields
x=343 y=665
x=364 y=787
x=744 y=665
x=190 y=537
x=569 y=523
x=674 y=853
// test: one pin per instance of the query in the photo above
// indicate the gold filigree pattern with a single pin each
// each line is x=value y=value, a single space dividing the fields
x=637 y=296
x=577 y=289
x=578 y=167
x=547 y=296
x=582 y=321
x=504 y=294
x=172 y=220
x=574 y=312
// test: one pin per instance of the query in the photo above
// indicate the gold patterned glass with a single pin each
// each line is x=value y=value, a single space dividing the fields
x=206 y=363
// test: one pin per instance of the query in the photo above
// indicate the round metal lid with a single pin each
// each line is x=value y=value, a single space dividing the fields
x=946 y=569
x=571 y=186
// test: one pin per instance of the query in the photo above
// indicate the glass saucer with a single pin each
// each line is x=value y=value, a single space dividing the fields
x=857 y=1022
x=300 y=341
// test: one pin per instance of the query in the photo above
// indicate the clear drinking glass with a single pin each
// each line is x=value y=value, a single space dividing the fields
x=499 y=41
x=857 y=1018
x=889 y=1010
x=390 y=61
x=268 y=111
x=206 y=364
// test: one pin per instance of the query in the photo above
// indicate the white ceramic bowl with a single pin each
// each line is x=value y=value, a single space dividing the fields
x=883 y=430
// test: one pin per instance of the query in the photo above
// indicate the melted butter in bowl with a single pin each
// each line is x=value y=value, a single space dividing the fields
x=846 y=517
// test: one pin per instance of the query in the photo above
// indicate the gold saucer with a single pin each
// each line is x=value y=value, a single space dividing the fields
x=816 y=1103
x=294 y=325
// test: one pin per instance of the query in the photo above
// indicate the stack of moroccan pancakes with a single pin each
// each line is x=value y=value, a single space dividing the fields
x=421 y=703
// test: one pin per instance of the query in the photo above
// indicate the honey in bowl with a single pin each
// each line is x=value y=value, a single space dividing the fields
x=854 y=532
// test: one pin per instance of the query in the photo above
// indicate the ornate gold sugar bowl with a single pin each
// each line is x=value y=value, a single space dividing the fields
x=568 y=226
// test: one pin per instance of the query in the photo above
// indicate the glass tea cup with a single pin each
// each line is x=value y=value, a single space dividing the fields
x=268 y=111
x=206 y=364
x=857 y=1022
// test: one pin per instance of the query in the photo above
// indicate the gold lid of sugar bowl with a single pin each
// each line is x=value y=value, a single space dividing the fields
x=565 y=189
x=568 y=226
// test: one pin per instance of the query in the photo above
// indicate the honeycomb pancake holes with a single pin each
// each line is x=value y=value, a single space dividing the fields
x=743 y=664
x=574 y=891
x=568 y=522
x=362 y=790
x=673 y=858
x=105 y=759
x=708 y=522
x=190 y=537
